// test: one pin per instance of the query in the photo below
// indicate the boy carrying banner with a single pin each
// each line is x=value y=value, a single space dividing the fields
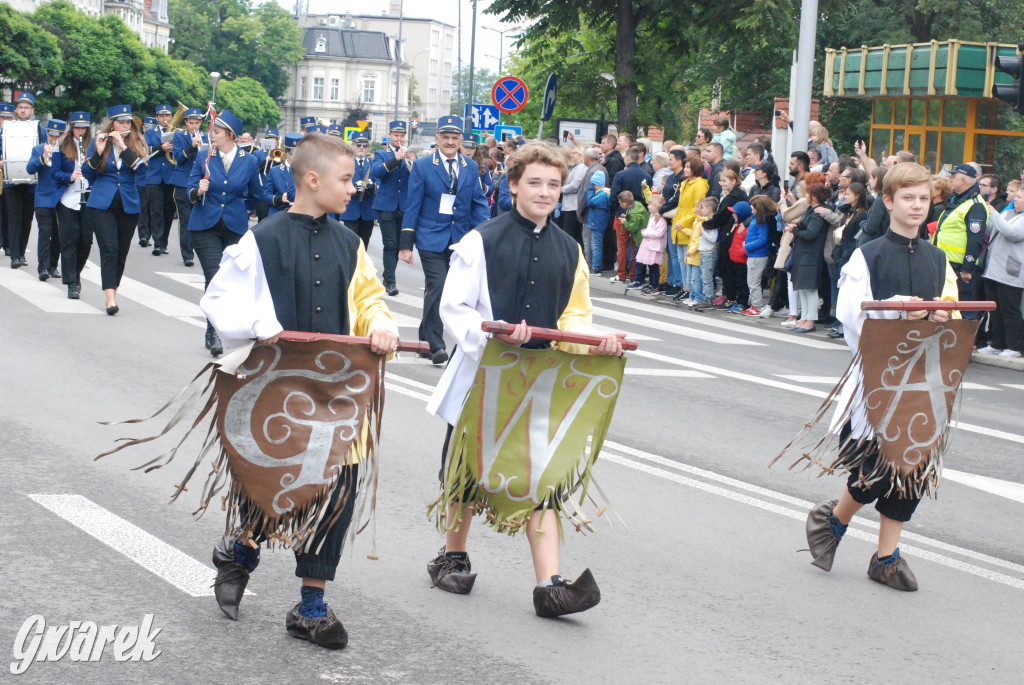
x=301 y=270
x=894 y=403
x=518 y=267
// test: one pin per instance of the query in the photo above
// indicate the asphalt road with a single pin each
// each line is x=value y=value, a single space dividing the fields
x=703 y=582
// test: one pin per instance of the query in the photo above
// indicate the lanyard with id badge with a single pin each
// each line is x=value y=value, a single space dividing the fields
x=447 y=205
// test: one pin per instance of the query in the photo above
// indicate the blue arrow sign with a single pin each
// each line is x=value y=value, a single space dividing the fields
x=549 y=98
x=482 y=117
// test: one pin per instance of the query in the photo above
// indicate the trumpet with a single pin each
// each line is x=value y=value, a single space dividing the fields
x=274 y=157
x=48 y=154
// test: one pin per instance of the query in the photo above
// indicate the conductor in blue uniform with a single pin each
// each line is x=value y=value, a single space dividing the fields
x=219 y=217
x=391 y=173
x=359 y=215
x=445 y=202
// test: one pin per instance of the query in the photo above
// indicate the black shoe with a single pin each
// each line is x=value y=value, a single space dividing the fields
x=156 y=252
x=232 y=577
x=54 y=273
x=44 y=276
x=209 y=336
x=325 y=631
x=391 y=288
x=216 y=346
x=74 y=291
x=189 y=262
x=143 y=242
x=438 y=356
x=7 y=252
x=15 y=263
x=566 y=598
x=451 y=575
x=113 y=310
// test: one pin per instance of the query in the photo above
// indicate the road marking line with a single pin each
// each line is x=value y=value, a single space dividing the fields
x=1003 y=488
x=667 y=373
x=711 y=321
x=1015 y=386
x=662 y=327
x=804 y=504
x=191 y=280
x=714 y=370
x=823 y=380
x=42 y=295
x=149 y=552
x=785 y=511
x=802 y=516
x=147 y=295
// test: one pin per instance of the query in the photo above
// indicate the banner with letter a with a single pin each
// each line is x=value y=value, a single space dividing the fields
x=530 y=431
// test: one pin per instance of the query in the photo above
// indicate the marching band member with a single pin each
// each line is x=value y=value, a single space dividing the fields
x=159 y=190
x=145 y=228
x=185 y=146
x=48 y=192
x=279 y=187
x=305 y=123
x=75 y=234
x=6 y=114
x=114 y=201
x=359 y=215
x=218 y=187
x=18 y=198
x=391 y=173
x=336 y=130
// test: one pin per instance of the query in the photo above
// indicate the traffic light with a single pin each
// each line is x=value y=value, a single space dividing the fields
x=1011 y=94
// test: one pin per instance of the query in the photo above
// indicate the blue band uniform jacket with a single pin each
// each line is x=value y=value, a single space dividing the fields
x=392 y=178
x=227 y=193
x=159 y=169
x=185 y=155
x=362 y=209
x=48 y=187
x=423 y=224
x=279 y=184
x=113 y=180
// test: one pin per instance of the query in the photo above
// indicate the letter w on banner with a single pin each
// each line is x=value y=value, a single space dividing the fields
x=530 y=431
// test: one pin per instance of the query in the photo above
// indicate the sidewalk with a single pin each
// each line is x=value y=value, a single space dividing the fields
x=605 y=286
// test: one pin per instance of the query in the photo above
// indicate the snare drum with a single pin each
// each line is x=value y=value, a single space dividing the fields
x=19 y=137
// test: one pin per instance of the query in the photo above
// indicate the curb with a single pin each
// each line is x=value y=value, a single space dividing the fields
x=604 y=285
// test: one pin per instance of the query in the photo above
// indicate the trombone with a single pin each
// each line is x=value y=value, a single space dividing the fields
x=274 y=157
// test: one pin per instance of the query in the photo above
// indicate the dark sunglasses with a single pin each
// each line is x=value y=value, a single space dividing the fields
x=362 y=145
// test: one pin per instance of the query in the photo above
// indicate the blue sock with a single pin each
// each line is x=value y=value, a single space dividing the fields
x=313 y=605
x=246 y=556
x=891 y=559
x=838 y=529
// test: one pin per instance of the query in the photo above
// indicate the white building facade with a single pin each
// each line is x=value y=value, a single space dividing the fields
x=345 y=70
x=429 y=47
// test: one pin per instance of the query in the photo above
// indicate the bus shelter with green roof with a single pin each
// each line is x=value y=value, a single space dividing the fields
x=934 y=99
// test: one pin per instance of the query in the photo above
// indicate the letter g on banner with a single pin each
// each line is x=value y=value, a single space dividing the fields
x=33 y=624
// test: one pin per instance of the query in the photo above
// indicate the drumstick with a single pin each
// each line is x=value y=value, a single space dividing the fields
x=553 y=334
x=901 y=306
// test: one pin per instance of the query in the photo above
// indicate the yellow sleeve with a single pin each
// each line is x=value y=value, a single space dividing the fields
x=579 y=313
x=366 y=309
x=950 y=293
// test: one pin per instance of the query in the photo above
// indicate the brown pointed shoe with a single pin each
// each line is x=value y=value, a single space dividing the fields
x=821 y=541
x=568 y=598
x=451 y=575
x=324 y=631
x=896 y=574
x=232 y=577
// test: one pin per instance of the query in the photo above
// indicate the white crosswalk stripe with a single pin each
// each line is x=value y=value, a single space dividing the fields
x=53 y=300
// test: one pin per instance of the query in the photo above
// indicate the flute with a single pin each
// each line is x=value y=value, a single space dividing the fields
x=104 y=136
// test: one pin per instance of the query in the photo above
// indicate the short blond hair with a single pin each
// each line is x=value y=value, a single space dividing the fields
x=904 y=175
x=655 y=201
x=318 y=152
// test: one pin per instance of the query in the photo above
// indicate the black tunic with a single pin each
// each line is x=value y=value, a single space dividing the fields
x=530 y=274
x=904 y=266
x=309 y=264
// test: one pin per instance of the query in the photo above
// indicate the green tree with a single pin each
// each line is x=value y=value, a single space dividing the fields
x=231 y=37
x=247 y=100
x=176 y=80
x=29 y=57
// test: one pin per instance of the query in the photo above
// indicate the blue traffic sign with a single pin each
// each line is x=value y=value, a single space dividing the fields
x=511 y=131
x=482 y=117
x=548 y=106
x=510 y=93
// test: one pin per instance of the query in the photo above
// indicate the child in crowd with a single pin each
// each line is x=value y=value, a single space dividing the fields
x=708 y=248
x=693 y=288
x=652 y=246
x=757 y=245
x=737 y=253
x=599 y=204
x=634 y=221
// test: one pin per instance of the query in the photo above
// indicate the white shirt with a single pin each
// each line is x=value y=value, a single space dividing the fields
x=228 y=157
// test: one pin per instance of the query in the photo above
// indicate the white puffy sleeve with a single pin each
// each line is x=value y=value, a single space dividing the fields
x=238 y=301
x=465 y=300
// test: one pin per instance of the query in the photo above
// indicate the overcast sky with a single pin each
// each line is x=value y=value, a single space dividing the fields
x=442 y=10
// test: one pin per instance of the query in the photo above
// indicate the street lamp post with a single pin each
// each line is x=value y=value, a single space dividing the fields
x=398 y=61
x=501 y=42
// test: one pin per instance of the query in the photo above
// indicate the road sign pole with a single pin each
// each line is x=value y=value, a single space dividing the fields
x=540 y=130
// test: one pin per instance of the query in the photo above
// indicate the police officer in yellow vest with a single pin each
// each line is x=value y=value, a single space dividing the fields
x=961 y=230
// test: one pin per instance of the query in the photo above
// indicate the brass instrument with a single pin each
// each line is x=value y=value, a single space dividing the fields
x=174 y=125
x=274 y=157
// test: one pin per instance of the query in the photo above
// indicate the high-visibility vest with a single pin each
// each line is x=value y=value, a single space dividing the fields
x=951 y=234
